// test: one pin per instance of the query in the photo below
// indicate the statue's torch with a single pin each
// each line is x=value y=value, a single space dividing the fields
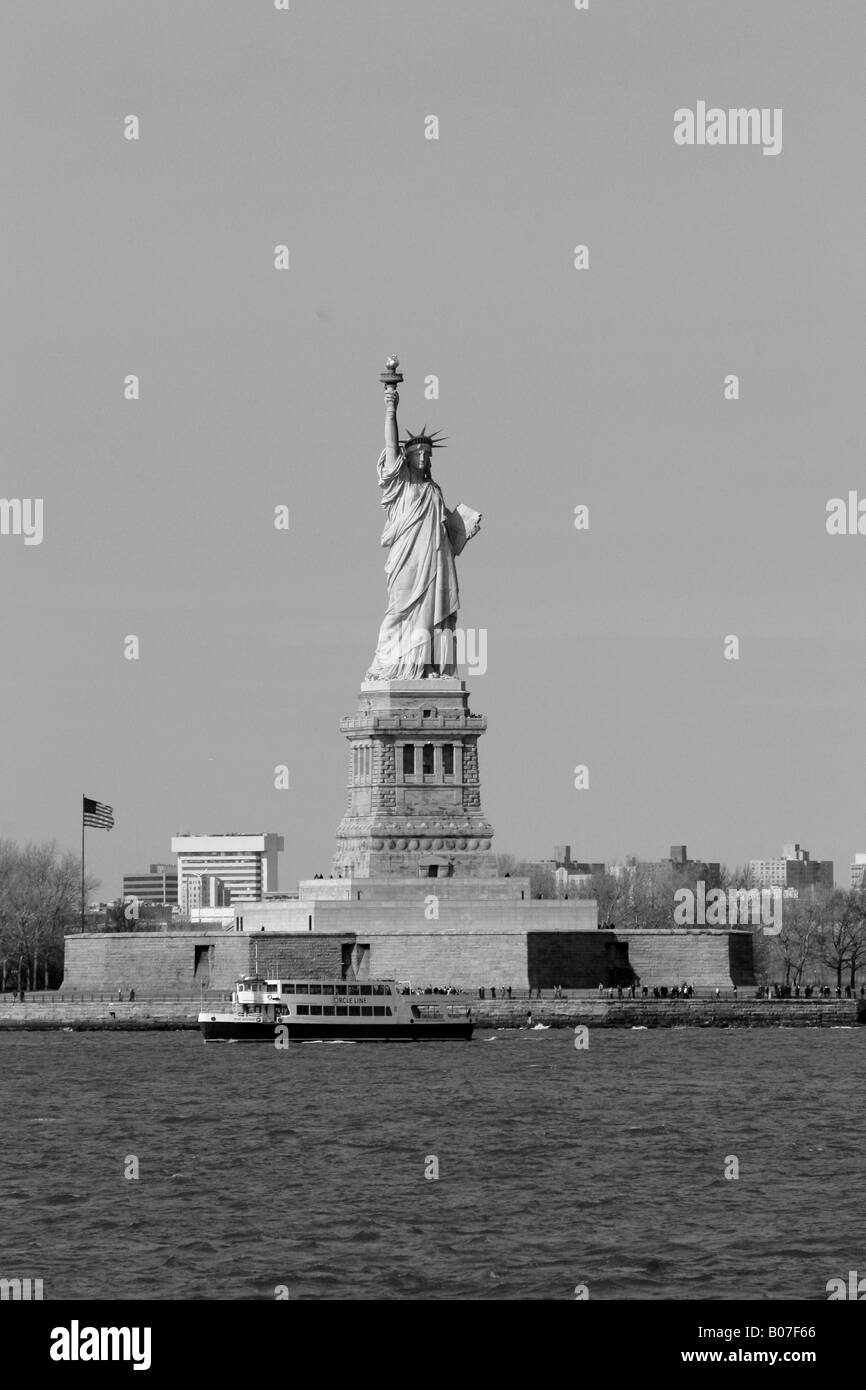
x=391 y=377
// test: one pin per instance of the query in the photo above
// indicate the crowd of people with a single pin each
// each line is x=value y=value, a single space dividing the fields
x=808 y=992
x=635 y=990
x=431 y=989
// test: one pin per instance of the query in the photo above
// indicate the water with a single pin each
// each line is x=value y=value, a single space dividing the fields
x=557 y=1167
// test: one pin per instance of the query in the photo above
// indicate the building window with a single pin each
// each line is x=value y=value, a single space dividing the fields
x=427 y=759
x=408 y=759
x=448 y=759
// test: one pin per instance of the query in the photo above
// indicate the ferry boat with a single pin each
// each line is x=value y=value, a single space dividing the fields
x=283 y=1011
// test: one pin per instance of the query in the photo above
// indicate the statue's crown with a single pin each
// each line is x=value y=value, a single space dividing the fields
x=434 y=440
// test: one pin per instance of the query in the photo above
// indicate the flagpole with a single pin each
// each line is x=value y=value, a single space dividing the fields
x=82 y=863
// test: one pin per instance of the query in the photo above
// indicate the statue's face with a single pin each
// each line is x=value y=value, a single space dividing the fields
x=419 y=457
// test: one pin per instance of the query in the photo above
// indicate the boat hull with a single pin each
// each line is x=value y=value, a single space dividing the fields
x=372 y=1030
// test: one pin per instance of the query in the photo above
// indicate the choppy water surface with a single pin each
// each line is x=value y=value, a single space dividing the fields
x=305 y=1168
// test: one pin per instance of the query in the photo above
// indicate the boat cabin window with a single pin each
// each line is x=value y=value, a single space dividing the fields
x=327 y=989
x=287 y=988
x=314 y=989
x=366 y=989
x=303 y=1010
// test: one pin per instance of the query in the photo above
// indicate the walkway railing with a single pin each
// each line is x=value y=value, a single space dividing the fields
x=68 y=996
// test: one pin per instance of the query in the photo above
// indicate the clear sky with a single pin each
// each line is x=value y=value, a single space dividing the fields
x=558 y=387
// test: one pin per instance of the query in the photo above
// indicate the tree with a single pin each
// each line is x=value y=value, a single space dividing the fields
x=39 y=902
x=841 y=934
x=856 y=934
x=611 y=892
x=652 y=897
x=542 y=878
x=798 y=943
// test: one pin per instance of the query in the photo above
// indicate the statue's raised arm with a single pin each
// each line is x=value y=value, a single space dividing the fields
x=390 y=379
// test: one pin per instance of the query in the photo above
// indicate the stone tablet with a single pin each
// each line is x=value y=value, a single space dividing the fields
x=461 y=525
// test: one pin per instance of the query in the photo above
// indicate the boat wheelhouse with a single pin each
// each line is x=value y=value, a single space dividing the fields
x=270 y=1010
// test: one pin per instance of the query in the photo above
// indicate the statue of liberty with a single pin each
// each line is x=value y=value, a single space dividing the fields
x=416 y=639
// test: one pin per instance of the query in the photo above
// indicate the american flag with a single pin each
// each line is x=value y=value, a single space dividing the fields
x=98 y=814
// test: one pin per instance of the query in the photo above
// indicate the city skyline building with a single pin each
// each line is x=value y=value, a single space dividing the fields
x=245 y=864
x=793 y=869
x=572 y=876
x=203 y=890
x=709 y=873
x=679 y=862
x=159 y=885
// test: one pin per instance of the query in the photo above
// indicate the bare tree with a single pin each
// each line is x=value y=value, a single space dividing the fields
x=610 y=892
x=840 y=934
x=39 y=901
x=799 y=941
x=857 y=935
x=542 y=877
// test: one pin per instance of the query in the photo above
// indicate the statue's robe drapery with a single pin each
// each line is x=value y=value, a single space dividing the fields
x=423 y=597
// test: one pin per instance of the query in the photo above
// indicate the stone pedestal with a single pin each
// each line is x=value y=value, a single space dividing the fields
x=414 y=788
